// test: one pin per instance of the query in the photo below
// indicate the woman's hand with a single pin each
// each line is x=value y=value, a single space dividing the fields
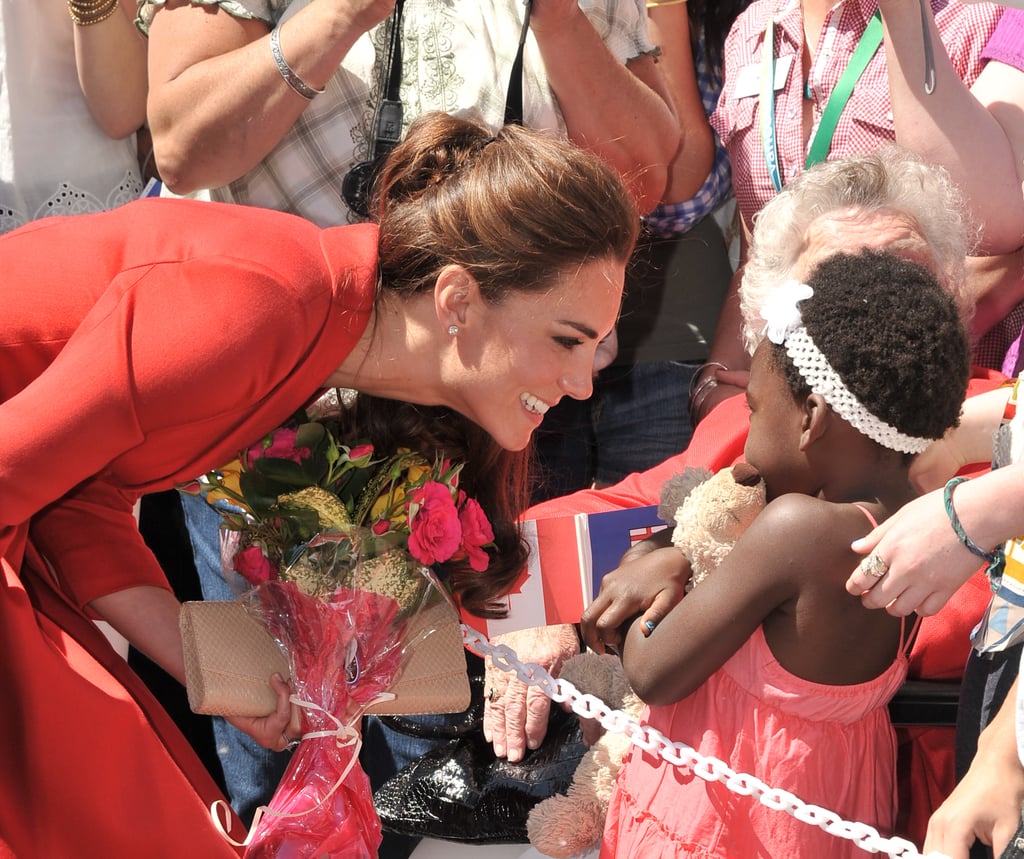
x=986 y=804
x=516 y=714
x=280 y=728
x=649 y=582
x=925 y=559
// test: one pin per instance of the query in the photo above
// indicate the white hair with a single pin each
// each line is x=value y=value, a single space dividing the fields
x=890 y=180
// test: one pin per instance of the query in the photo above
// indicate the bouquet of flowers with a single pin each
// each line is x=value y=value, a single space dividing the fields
x=336 y=547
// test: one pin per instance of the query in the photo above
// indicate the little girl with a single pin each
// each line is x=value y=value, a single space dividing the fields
x=769 y=664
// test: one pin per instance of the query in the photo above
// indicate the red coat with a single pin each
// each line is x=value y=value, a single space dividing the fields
x=138 y=348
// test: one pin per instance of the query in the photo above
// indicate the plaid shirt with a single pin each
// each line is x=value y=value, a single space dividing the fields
x=456 y=57
x=865 y=123
x=675 y=219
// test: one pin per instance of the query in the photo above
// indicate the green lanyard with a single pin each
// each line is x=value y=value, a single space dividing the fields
x=822 y=141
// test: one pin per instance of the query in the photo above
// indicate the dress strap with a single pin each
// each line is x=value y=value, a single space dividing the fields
x=867 y=513
x=906 y=639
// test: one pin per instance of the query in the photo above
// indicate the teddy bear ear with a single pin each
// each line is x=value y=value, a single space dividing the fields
x=675 y=490
x=745 y=474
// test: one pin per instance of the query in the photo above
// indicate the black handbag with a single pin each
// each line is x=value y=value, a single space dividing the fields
x=461 y=792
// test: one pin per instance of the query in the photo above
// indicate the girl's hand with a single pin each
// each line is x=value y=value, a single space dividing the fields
x=280 y=728
x=648 y=583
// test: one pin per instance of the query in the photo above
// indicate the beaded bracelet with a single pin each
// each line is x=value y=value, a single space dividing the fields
x=87 y=12
x=290 y=78
x=995 y=559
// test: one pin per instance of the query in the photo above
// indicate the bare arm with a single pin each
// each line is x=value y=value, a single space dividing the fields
x=986 y=804
x=977 y=134
x=727 y=349
x=111 y=60
x=669 y=27
x=217 y=103
x=622 y=113
x=148 y=618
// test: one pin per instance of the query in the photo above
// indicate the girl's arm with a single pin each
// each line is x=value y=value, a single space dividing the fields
x=764 y=571
x=217 y=102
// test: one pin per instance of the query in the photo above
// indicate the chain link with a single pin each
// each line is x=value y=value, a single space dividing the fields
x=681 y=755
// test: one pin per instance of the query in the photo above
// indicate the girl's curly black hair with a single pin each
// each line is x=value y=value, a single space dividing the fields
x=892 y=334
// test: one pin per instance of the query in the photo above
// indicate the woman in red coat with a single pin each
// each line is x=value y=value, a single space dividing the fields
x=141 y=347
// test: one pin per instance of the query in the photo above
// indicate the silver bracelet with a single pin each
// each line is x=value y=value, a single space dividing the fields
x=290 y=78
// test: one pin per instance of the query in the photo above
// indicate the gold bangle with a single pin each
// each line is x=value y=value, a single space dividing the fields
x=86 y=12
x=657 y=4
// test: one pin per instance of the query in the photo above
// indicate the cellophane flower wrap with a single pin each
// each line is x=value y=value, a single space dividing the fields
x=335 y=548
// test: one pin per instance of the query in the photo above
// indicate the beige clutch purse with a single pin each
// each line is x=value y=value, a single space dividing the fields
x=229 y=657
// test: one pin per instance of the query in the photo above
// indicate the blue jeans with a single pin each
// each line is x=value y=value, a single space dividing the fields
x=251 y=772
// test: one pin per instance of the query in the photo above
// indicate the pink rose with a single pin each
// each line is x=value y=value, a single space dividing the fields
x=434 y=524
x=476 y=532
x=360 y=451
x=281 y=446
x=254 y=566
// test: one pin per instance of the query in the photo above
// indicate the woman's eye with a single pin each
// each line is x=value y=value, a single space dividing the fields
x=569 y=342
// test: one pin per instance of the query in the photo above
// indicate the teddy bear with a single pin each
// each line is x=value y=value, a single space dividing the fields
x=708 y=512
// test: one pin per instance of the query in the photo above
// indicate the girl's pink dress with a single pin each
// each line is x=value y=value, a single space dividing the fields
x=831 y=746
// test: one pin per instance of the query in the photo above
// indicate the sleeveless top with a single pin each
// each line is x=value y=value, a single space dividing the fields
x=831 y=746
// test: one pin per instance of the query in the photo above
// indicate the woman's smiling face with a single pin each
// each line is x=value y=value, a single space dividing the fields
x=519 y=357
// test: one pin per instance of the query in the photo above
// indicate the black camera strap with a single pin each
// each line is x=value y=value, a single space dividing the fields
x=514 y=96
x=388 y=132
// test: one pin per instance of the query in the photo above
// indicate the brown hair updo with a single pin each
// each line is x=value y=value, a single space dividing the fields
x=514 y=209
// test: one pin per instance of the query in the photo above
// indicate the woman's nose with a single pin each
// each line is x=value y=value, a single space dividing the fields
x=579 y=386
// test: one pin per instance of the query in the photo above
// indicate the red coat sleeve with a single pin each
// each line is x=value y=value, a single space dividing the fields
x=150 y=381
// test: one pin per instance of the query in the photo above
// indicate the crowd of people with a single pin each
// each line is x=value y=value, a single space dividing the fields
x=573 y=246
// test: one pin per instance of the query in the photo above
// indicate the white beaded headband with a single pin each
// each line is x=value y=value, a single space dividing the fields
x=784 y=326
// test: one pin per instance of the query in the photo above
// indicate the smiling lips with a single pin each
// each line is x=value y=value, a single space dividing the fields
x=533 y=404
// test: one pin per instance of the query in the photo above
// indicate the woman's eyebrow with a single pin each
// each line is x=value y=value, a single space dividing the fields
x=585 y=330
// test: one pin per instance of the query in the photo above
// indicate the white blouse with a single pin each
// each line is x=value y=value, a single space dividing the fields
x=54 y=158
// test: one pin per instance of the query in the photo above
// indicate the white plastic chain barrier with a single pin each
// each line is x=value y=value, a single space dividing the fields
x=679 y=754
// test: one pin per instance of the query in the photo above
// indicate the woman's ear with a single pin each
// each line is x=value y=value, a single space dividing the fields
x=815 y=420
x=456 y=292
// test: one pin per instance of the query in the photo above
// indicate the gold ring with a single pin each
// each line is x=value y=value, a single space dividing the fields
x=493 y=695
x=874 y=566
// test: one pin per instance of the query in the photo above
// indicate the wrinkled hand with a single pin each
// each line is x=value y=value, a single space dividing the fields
x=275 y=731
x=647 y=583
x=516 y=714
x=926 y=561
